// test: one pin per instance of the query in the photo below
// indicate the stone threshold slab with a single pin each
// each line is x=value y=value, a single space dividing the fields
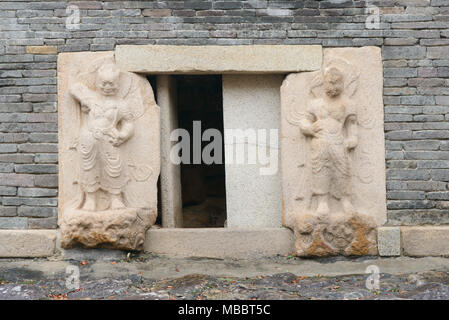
x=159 y=59
x=27 y=243
x=219 y=242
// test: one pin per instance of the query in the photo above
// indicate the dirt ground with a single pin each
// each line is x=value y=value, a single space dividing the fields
x=148 y=276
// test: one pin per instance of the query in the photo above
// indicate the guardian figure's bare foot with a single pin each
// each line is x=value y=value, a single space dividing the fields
x=347 y=206
x=116 y=202
x=89 y=203
x=323 y=207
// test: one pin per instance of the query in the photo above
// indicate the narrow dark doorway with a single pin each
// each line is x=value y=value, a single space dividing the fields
x=203 y=185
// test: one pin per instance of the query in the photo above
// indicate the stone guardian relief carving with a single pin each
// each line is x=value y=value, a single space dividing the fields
x=333 y=167
x=109 y=153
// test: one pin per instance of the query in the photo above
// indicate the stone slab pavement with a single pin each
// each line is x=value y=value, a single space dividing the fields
x=150 y=276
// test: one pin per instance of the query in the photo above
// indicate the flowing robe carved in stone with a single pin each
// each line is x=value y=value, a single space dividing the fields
x=109 y=153
x=329 y=157
x=101 y=163
x=332 y=154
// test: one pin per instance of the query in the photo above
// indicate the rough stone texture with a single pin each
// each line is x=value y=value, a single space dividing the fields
x=114 y=229
x=28 y=81
x=253 y=188
x=220 y=242
x=419 y=241
x=430 y=285
x=102 y=203
x=345 y=234
x=351 y=179
x=218 y=59
x=366 y=187
x=27 y=243
x=389 y=241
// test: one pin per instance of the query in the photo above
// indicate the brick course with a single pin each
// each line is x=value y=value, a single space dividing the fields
x=413 y=34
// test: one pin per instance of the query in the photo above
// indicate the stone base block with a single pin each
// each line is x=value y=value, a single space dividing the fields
x=335 y=234
x=112 y=229
x=220 y=242
x=420 y=241
x=389 y=241
x=27 y=243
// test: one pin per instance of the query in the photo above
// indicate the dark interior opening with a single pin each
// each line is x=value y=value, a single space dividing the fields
x=203 y=185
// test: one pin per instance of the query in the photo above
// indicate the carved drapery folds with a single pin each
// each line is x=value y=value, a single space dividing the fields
x=109 y=153
x=333 y=154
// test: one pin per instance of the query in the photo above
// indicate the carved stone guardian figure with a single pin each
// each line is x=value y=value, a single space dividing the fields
x=109 y=146
x=331 y=140
x=110 y=122
x=331 y=124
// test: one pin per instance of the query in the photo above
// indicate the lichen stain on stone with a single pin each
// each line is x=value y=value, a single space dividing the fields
x=356 y=240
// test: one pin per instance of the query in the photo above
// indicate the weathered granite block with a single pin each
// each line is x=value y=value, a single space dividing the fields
x=389 y=241
x=253 y=188
x=27 y=243
x=114 y=229
x=332 y=153
x=108 y=153
x=218 y=59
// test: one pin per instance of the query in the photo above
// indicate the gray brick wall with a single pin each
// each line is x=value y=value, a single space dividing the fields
x=413 y=34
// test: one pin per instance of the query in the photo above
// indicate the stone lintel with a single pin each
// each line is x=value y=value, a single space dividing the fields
x=219 y=242
x=27 y=243
x=159 y=59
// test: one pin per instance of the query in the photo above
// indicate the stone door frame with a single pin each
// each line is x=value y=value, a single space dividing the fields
x=165 y=61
